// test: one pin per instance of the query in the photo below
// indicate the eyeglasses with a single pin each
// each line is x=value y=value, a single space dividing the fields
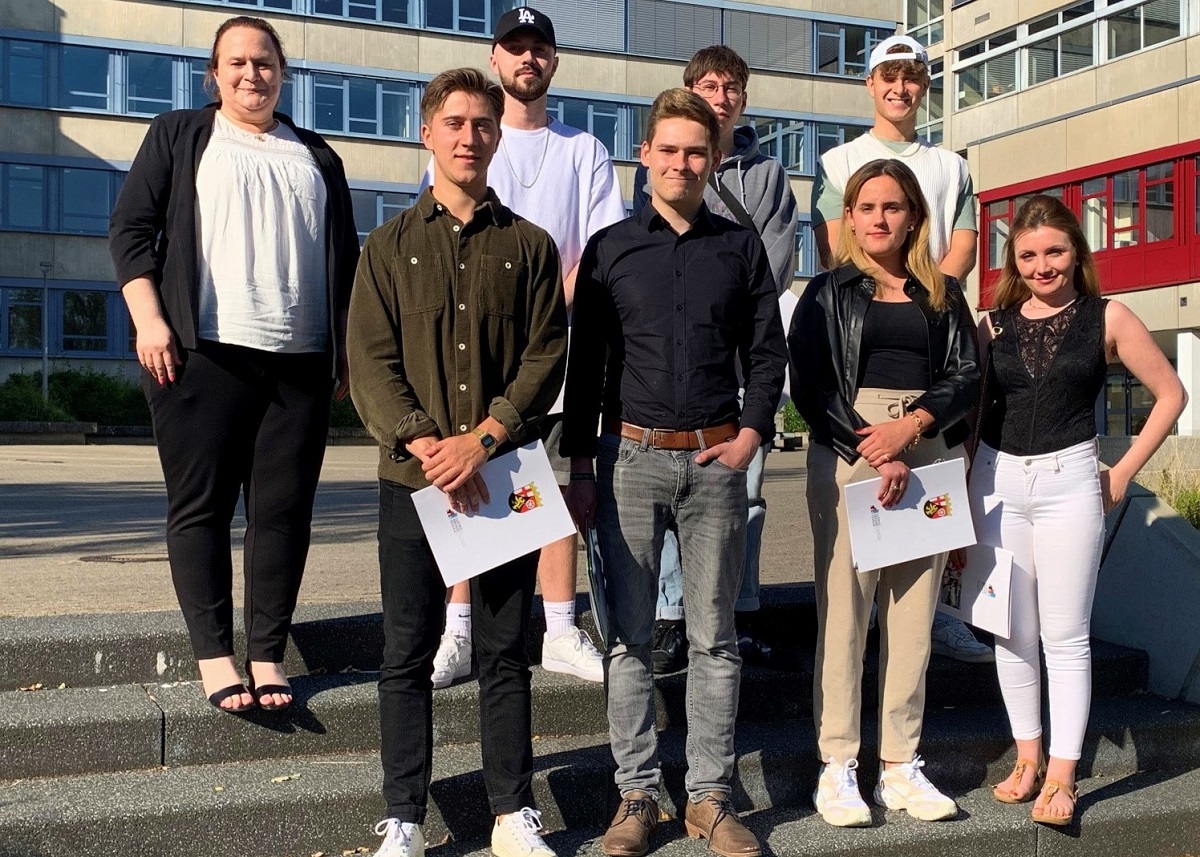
x=708 y=89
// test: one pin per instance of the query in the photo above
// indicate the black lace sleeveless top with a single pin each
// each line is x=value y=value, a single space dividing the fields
x=1044 y=379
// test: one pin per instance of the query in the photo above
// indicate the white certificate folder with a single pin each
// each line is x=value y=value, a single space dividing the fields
x=980 y=594
x=525 y=512
x=932 y=517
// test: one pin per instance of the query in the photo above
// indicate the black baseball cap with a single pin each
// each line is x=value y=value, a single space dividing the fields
x=524 y=17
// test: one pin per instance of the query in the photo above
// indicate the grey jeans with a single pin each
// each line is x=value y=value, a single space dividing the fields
x=641 y=493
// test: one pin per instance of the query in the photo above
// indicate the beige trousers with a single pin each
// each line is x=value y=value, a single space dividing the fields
x=907 y=596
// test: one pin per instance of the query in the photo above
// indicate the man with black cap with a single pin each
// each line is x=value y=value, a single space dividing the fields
x=563 y=180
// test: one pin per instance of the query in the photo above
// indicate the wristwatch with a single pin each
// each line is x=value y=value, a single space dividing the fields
x=488 y=441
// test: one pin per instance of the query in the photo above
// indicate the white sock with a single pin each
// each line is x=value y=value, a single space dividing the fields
x=560 y=618
x=458 y=620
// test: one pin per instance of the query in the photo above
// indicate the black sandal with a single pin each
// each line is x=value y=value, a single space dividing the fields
x=224 y=693
x=266 y=690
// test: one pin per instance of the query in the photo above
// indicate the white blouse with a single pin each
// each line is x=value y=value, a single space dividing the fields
x=260 y=238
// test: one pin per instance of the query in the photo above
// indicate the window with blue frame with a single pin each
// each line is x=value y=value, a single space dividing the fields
x=37 y=198
x=607 y=121
x=23 y=72
x=365 y=105
x=21 y=319
x=806 y=251
x=373 y=208
x=149 y=83
x=85 y=321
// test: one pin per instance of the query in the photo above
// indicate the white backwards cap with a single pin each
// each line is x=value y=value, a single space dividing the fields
x=879 y=54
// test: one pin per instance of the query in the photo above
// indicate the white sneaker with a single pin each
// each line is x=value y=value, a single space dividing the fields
x=837 y=797
x=573 y=653
x=400 y=839
x=953 y=639
x=905 y=787
x=520 y=835
x=452 y=661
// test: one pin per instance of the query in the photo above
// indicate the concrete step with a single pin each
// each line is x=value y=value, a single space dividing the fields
x=1141 y=815
x=141 y=726
x=132 y=648
x=307 y=804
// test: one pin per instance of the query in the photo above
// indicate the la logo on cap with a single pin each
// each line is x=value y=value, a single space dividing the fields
x=525 y=16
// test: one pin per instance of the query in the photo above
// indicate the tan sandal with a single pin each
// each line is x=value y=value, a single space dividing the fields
x=1049 y=790
x=1019 y=771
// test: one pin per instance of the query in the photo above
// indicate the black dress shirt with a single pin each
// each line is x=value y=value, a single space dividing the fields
x=659 y=321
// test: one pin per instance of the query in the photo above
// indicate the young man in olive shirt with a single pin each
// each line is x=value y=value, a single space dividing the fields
x=457 y=348
x=666 y=302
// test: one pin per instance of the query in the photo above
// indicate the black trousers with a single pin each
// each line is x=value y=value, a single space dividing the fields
x=249 y=422
x=414 y=613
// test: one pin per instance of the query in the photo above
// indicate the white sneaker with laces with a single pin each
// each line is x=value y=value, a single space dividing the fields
x=574 y=654
x=953 y=639
x=400 y=839
x=452 y=661
x=837 y=797
x=520 y=835
x=905 y=787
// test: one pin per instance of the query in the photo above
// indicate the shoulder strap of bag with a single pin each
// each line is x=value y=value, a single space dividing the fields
x=735 y=206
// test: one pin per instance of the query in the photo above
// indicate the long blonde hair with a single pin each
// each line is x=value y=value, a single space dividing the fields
x=918 y=261
x=1043 y=210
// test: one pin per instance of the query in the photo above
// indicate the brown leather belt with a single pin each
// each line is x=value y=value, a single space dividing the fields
x=669 y=439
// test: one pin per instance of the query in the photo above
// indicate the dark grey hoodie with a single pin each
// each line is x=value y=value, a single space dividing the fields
x=760 y=183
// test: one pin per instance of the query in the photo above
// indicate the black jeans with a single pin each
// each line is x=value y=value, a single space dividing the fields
x=240 y=421
x=414 y=613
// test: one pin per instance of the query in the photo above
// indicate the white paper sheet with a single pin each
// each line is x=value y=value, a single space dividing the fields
x=932 y=516
x=526 y=511
x=980 y=594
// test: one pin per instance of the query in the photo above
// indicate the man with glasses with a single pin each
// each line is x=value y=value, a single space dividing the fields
x=752 y=189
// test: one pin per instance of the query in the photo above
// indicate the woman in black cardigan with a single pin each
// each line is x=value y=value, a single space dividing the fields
x=235 y=247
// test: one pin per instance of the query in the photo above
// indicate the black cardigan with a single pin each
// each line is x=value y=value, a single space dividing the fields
x=152 y=230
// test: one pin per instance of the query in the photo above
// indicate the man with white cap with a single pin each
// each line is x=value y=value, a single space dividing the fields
x=898 y=80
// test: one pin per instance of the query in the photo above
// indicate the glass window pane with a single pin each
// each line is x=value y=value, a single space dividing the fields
x=362 y=9
x=1077 y=49
x=970 y=86
x=85 y=321
x=1095 y=221
x=997 y=241
x=856 y=49
x=793 y=154
x=26 y=73
x=366 y=211
x=604 y=126
x=362 y=106
x=396 y=11
x=1043 y=61
x=83 y=77
x=1160 y=20
x=1043 y=23
x=1001 y=75
x=150 y=84
x=440 y=14
x=1160 y=202
x=397 y=99
x=575 y=113
x=829 y=48
x=25 y=319
x=1125 y=203
x=394 y=203
x=85 y=201
x=472 y=16
x=196 y=83
x=329 y=7
x=1124 y=33
x=25 y=197
x=328 y=97
x=641 y=114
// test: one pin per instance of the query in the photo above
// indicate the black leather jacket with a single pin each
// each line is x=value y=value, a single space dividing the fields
x=824 y=348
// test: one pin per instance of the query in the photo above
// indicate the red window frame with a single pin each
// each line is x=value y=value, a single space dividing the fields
x=1166 y=262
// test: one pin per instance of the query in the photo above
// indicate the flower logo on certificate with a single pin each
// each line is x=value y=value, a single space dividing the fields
x=525 y=499
x=937 y=507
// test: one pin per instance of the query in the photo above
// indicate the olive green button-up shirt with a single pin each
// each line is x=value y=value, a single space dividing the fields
x=451 y=323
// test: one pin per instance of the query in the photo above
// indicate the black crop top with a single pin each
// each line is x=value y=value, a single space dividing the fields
x=895 y=347
x=1044 y=379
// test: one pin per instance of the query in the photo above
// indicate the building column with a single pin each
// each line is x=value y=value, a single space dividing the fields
x=1187 y=364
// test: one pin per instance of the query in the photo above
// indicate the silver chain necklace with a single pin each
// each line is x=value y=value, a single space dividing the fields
x=509 y=160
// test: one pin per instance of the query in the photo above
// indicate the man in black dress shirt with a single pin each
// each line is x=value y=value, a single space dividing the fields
x=666 y=301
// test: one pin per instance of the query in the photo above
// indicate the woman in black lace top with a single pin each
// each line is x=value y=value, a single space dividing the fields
x=1036 y=488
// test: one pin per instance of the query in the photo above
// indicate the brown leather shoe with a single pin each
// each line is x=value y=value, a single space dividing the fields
x=629 y=833
x=714 y=818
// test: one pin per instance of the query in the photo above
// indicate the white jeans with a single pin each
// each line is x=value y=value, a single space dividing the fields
x=1047 y=510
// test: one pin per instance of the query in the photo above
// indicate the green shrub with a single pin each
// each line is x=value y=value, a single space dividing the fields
x=1182 y=495
x=792 y=421
x=98 y=398
x=21 y=401
x=1187 y=504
